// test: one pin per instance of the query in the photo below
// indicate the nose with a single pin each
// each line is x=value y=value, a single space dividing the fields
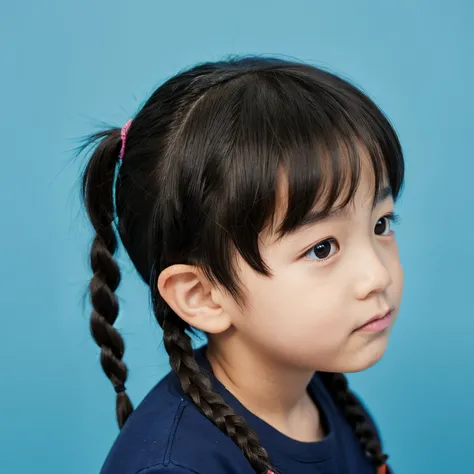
x=372 y=274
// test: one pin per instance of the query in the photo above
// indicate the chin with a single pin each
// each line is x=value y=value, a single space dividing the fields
x=367 y=356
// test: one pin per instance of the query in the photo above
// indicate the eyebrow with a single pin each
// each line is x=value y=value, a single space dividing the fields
x=314 y=216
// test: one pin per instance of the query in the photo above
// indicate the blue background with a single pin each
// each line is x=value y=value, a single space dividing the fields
x=67 y=65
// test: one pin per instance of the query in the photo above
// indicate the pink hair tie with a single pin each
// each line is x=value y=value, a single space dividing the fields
x=123 y=134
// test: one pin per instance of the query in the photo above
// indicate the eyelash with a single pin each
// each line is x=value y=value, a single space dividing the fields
x=392 y=217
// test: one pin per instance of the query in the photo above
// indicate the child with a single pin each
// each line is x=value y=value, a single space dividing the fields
x=255 y=197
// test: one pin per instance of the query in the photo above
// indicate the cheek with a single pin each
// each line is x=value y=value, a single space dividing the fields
x=396 y=273
x=398 y=283
x=294 y=315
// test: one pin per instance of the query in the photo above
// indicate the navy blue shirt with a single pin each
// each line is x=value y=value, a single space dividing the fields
x=167 y=434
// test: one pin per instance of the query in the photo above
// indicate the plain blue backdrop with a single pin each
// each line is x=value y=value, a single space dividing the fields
x=67 y=65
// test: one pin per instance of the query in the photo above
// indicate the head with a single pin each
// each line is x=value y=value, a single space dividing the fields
x=255 y=198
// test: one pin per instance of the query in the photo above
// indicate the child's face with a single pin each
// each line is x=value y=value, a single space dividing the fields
x=308 y=313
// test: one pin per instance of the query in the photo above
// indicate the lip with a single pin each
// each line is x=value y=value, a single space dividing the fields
x=377 y=323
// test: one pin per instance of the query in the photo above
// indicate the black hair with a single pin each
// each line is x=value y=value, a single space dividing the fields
x=197 y=183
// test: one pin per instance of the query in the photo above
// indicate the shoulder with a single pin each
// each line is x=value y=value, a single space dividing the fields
x=168 y=434
x=143 y=441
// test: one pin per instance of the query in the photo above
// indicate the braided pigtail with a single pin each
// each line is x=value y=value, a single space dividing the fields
x=97 y=192
x=355 y=415
x=197 y=385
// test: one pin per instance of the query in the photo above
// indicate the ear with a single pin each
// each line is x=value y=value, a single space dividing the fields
x=191 y=295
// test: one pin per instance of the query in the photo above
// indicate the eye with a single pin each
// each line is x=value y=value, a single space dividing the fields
x=323 y=250
x=383 y=227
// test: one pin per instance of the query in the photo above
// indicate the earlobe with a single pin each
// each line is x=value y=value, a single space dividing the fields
x=190 y=295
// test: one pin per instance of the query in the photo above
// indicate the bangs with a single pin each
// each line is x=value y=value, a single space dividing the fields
x=322 y=176
x=325 y=139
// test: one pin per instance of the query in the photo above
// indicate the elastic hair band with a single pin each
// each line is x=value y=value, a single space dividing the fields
x=119 y=388
x=123 y=135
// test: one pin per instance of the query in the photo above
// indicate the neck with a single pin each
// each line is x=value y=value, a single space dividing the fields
x=270 y=390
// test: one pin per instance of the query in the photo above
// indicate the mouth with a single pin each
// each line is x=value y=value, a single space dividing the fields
x=378 y=323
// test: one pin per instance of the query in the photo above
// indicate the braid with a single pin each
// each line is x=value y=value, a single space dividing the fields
x=197 y=385
x=97 y=191
x=338 y=387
